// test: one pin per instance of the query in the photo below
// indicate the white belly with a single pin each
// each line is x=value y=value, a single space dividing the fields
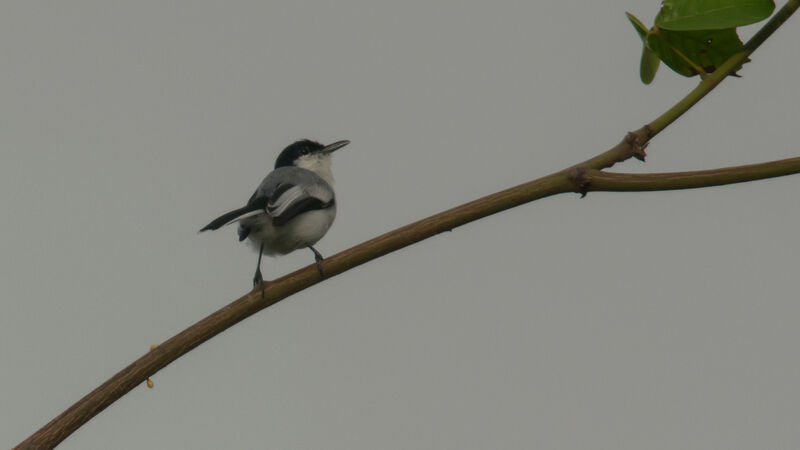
x=300 y=232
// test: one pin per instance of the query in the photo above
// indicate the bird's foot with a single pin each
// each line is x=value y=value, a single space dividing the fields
x=258 y=281
x=318 y=259
x=319 y=268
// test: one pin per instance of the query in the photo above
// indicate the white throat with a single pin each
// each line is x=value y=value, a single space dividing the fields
x=317 y=163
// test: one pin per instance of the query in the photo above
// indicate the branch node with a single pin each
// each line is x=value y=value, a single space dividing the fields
x=577 y=177
x=638 y=143
x=648 y=132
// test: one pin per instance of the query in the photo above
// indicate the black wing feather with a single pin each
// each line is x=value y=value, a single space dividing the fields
x=257 y=202
x=297 y=208
x=254 y=204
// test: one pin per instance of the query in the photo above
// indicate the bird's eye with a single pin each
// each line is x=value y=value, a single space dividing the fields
x=304 y=151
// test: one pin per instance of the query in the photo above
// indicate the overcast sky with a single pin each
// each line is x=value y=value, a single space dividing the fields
x=617 y=321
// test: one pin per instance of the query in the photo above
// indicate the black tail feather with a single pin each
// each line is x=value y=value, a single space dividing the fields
x=227 y=217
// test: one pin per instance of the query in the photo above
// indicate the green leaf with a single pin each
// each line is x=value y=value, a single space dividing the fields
x=687 y=15
x=650 y=60
x=693 y=52
x=649 y=65
x=638 y=26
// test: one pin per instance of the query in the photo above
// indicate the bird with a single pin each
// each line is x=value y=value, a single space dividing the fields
x=292 y=208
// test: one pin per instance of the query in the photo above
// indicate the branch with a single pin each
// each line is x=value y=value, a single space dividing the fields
x=641 y=137
x=572 y=179
x=596 y=180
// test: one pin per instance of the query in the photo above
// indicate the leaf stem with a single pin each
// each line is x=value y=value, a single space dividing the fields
x=725 y=69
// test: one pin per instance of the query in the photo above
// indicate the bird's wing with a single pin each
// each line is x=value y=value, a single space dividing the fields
x=288 y=201
x=283 y=194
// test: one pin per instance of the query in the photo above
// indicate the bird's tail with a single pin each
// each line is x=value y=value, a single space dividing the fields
x=233 y=216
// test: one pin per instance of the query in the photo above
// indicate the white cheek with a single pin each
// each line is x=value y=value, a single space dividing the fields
x=319 y=164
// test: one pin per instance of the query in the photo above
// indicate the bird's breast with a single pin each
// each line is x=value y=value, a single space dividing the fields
x=301 y=231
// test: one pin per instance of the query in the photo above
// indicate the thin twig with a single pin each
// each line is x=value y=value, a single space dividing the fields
x=596 y=180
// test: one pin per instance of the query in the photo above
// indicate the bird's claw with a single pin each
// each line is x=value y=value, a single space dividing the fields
x=318 y=259
x=258 y=281
x=319 y=268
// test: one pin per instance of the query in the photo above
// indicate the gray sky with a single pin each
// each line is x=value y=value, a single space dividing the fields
x=619 y=321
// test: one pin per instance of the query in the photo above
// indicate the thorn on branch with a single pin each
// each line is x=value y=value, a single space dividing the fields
x=149 y=381
x=638 y=143
x=578 y=178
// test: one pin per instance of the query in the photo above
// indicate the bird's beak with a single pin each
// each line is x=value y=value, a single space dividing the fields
x=335 y=146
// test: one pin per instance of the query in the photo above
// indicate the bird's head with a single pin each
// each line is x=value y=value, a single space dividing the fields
x=308 y=154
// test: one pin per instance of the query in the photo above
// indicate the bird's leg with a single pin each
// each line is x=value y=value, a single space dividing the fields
x=257 y=278
x=318 y=258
